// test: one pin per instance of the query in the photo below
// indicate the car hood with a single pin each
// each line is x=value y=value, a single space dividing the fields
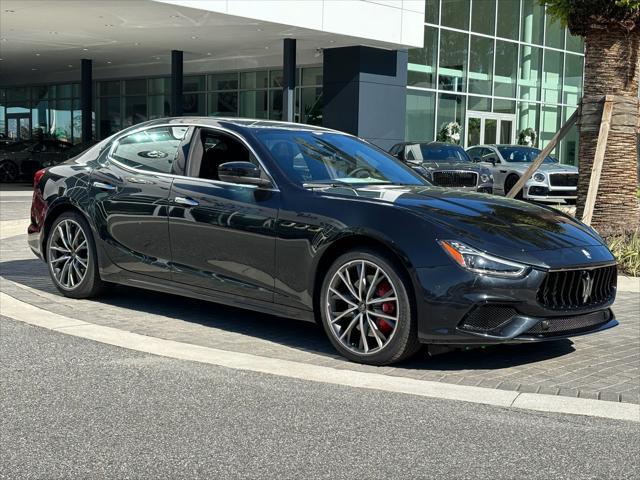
x=513 y=229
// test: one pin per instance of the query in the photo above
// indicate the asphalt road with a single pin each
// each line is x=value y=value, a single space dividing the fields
x=72 y=408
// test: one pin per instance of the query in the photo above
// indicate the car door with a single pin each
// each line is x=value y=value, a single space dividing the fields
x=223 y=234
x=130 y=191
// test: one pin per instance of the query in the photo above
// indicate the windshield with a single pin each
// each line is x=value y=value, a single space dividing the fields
x=309 y=157
x=439 y=153
x=523 y=154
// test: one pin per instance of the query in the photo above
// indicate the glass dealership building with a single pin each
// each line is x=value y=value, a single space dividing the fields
x=494 y=66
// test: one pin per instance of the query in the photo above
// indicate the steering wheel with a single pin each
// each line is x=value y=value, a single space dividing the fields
x=356 y=171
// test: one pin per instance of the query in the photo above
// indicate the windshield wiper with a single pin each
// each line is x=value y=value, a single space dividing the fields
x=326 y=184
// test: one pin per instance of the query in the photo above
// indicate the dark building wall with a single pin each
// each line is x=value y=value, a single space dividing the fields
x=364 y=93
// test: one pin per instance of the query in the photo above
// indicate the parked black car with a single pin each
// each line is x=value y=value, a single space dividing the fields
x=314 y=224
x=20 y=160
x=445 y=165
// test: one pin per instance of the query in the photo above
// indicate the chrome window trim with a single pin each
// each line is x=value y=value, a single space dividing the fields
x=116 y=142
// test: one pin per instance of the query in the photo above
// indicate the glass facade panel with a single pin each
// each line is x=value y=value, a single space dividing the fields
x=223 y=81
x=483 y=16
x=569 y=144
x=61 y=121
x=572 y=90
x=574 y=43
x=159 y=106
x=257 y=79
x=135 y=87
x=481 y=65
x=254 y=104
x=422 y=61
x=159 y=85
x=453 y=60
x=501 y=105
x=552 y=76
x=109 y=119
x=549 y=125
x=275 y=104
x=312 y=76
x=311 y=105
x=109 y=88
x=276 y=78
x=528 y=115
x=479 y=104
x=194 y=84
x=530 y=72
x=506 y=70
x=223 y=104
x=455 y=14
x=532 y=22
x=194 y=104
x=135 y=110
x=431 y=11
x=450 y=109
x=508 y=19
x=421 y=114
x=554 y=33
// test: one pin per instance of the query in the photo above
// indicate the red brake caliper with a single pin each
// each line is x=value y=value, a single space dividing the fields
x=388 y=308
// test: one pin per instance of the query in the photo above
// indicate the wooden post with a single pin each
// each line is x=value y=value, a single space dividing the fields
x=596 y=169
x=544 y=154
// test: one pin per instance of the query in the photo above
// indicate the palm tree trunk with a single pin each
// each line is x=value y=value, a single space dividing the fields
x=612 y=68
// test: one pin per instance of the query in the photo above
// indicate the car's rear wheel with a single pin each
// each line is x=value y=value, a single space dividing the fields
x=366 y=310
x=71 y=257
x=9 y=171
x=509 y=183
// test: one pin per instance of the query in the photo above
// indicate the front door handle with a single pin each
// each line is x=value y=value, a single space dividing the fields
x=186 y=201
x=503 y=171
x=104 y=186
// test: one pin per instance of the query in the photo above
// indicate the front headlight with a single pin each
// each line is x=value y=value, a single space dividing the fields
x=539 y=177
x=485 y=177
x=480 y=262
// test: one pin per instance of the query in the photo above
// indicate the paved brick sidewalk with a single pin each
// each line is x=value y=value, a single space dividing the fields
x=604 y=366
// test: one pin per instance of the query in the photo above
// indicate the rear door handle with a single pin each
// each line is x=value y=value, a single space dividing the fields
x=104 y=186
x=186 y=201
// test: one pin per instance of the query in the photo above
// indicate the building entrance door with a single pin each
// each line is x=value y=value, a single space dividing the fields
x=483 y=128
x=19 y=126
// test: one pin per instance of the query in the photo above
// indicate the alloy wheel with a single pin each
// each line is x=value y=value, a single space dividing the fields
x=68 y=254
x=362 y=307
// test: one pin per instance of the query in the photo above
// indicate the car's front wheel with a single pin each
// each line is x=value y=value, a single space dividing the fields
x=71 y=257
x=366 y=310
x=8 y=171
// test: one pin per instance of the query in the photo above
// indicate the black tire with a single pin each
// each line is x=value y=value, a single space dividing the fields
x=91 y=284
x=9 y=171
x=403 y=342
x=509 y=184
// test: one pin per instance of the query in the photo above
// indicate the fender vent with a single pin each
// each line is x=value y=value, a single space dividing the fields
x=486 y=318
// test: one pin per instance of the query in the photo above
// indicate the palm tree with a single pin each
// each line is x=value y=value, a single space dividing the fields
x=611 y=31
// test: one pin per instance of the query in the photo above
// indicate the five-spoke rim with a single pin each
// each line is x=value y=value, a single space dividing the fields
x=362 y=307
x=68 y=254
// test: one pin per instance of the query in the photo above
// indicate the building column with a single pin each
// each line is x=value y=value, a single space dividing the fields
x=289 y=79
x=365 y=93
x=86 y=99
x=176 y=83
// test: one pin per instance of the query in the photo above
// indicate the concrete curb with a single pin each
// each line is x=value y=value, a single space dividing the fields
x=628 y=284
x=27 y=313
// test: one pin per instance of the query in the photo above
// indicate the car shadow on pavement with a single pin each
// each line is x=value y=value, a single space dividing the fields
x=299 y=335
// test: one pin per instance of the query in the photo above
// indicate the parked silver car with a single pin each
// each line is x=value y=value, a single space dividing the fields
x=552 y=182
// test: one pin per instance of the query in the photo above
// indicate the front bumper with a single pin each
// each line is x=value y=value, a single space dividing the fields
x=545 y=193
x=457 y=307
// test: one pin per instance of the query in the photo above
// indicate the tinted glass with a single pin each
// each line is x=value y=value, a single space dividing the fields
x=441 y=153
x=422 y=61
x=421 y=113
x=453 y=60
x=455 y=14
x=481 y=65
x=508 y=19
x=522 y=154
x=152 y=150
x=483 y=16
x=320 y=157
x=506 y=72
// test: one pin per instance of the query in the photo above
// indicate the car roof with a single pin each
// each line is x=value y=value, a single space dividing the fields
x=251 y=123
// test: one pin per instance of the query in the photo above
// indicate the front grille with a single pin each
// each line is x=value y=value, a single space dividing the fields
x=563 y=179
x=451 y=178
x=564 y=325
x=578 y=288
x=487 y=318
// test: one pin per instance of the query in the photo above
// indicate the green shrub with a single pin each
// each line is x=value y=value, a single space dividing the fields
x=626 y=248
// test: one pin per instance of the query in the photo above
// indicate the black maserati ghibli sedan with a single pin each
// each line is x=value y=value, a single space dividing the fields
x=314 y=224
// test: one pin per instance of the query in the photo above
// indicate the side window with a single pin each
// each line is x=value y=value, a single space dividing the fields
x=153 y=150
x=218 y=148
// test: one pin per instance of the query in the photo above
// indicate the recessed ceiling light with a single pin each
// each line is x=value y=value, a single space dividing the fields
x=69 y=65
x=37 y=54
x=3 y=39
x=85 y=49
x=108 y=61
x=266 y=48
x=209 y=54
x=137 y=44
x=9 y=11
x=193 y=37
x=108 y=25
x=1 y=59
x=174 y=16
x=34 y=69
x=157 y=58
x=258 y=29
x=53 y=33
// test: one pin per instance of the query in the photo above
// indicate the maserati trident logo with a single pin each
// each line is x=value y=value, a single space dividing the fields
x=587 y=286
x=586 y=254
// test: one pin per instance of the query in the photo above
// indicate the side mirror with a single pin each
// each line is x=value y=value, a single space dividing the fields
x=493 y=161
x=241 y=172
